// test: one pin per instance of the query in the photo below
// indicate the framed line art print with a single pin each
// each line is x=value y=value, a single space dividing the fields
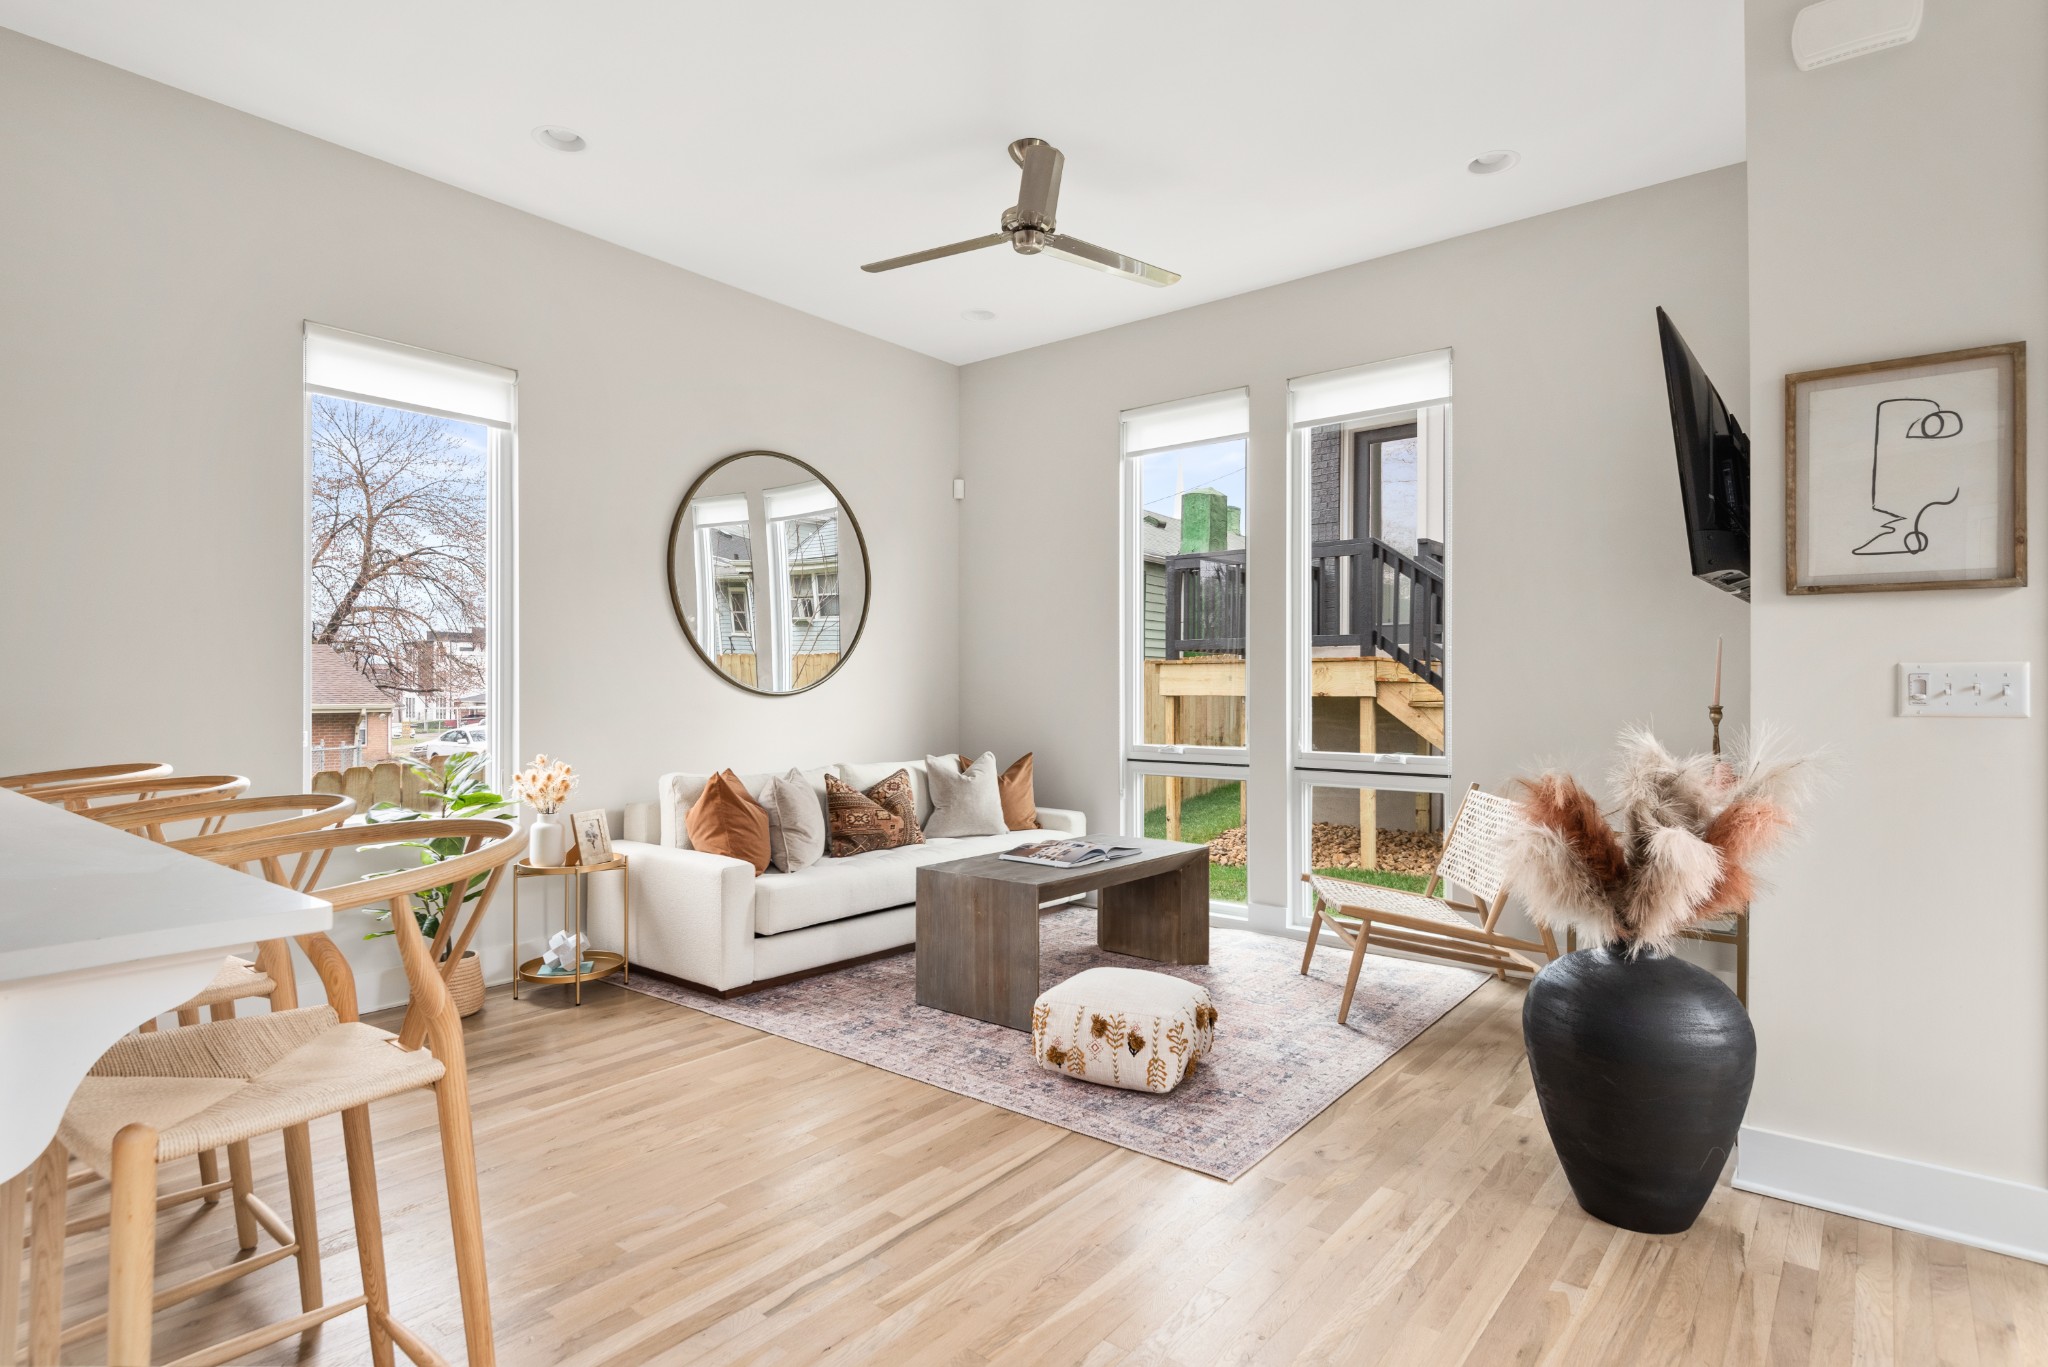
x=1908 y=474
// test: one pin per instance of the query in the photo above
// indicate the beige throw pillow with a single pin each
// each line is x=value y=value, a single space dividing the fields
x=965 y=798
x=796 y=824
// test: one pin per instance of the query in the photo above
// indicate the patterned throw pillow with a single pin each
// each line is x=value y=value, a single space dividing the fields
x=882 y=818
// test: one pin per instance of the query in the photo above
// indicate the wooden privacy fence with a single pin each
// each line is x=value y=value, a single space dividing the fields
x=386 y=781
x=808 y=669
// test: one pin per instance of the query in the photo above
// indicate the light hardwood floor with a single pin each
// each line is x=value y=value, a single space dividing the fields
x=662 y=1186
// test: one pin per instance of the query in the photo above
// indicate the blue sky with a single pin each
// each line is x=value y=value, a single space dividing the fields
x=1217 y=465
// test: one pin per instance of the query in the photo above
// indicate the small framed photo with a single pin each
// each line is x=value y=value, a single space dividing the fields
x=1908 y=474
x=593 y=837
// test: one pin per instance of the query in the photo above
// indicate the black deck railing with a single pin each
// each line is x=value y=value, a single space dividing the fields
x=1395 y=603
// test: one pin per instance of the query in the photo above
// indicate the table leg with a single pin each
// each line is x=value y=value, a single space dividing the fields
x=576 y=964
x=626 y=896
x=13 y=1208
x=1164 y=918
x=515 y=935
x=977 y=947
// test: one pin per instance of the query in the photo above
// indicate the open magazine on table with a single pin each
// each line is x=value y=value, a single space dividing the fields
x=1069 y=854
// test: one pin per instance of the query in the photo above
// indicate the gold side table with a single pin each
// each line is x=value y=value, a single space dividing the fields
x=603 y=963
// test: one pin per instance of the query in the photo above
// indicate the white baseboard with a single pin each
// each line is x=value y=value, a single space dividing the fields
x=1984 y=1212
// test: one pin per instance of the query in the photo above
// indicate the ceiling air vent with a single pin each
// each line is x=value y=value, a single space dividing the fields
x=1836 y=30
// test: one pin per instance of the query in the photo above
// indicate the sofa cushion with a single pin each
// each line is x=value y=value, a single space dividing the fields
x=965 y=800
x=725 y=819
x=881 y=818
x=865 y=776
x=832 y=889
x=796 y=828
x=676 y=792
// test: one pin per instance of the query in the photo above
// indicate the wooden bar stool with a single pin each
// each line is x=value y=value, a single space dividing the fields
x=269 y=978
x=159 y=1097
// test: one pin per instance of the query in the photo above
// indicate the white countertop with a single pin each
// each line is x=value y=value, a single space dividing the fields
x=75 y=894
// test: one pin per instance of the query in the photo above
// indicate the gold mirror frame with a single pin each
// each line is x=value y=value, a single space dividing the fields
x=675 y=598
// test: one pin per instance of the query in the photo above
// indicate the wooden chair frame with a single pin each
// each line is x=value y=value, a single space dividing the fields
x=430 y=1020
x=159 y=793
x=91 y=773
x=1480 y=946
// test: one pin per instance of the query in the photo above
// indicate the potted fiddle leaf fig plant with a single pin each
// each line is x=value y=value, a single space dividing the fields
x=461 y=789
x=1643 y=1061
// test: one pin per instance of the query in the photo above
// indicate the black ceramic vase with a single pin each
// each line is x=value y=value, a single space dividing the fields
x=1643 y=1069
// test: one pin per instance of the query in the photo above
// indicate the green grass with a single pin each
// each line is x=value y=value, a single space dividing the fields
x=1204 y=818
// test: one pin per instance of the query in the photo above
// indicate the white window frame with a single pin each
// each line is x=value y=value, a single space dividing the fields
x=501 y=540
x=1131 y=616
x=1434 y=419
x=1131 y=805
x=1301 y=821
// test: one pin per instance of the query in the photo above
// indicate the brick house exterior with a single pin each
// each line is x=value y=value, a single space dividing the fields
x=351 y=721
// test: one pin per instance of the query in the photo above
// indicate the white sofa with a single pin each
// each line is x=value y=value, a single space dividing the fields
x=713 y=923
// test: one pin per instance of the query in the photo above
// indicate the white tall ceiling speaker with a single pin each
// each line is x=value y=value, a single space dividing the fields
x=1836 y=30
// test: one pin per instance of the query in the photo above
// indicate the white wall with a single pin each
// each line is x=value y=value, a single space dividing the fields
x=1573 y=607
x=1899 y=205
x=158 y=254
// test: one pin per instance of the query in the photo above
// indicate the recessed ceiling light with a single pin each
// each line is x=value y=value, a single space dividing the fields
x=558 y=138
x=977 y=315
x=1488 y=163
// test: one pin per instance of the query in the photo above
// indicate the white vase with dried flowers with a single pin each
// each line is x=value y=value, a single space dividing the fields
x=545 y=785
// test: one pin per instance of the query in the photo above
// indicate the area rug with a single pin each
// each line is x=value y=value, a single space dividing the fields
x=1280 y=1056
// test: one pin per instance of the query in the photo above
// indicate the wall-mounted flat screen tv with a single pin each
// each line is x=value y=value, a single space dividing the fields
x=1713 y=468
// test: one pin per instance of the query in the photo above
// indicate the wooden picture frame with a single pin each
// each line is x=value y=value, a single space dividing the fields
x=1868 y=510
x=593 y=832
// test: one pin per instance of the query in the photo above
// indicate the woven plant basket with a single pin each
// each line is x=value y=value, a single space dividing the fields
x=466 y=984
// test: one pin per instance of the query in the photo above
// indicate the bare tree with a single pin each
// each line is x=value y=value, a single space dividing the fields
x=399 y=550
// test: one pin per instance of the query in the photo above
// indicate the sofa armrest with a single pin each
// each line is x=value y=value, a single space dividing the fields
x=1063 y=820
x=693 y=914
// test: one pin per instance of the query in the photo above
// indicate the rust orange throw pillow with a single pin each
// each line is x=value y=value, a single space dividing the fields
x=1020 y=805
x=726 y=820
x=882 y=818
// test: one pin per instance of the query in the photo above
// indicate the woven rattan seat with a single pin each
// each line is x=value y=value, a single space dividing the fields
x=1367 y=916
x=1338 y=894
x=238 y=980
x=207 y=1086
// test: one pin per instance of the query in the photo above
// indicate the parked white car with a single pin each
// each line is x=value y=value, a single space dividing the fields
x=454 y=741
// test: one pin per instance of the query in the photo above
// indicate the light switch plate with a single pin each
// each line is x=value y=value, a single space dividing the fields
x=1963 y=690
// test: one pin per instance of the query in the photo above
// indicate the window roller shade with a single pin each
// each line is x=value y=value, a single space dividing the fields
x=1211 y=417
x=1405 y=382
x=351 y=366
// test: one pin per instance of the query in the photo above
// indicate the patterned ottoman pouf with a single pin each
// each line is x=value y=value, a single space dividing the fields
x=1123 y=1027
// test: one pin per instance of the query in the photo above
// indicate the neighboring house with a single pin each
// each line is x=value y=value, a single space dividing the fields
x=1165 y=537
x=811 y=556
x=448 y=667
x=351 y=721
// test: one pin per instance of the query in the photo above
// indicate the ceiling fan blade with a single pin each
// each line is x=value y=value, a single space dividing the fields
x=1103 y=259
x=972 y=244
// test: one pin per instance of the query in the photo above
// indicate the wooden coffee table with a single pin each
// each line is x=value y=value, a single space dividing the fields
x=977 y=921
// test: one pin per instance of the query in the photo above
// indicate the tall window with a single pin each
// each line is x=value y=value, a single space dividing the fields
x=1186 y=536
x=408 y=552
x=1370 y=639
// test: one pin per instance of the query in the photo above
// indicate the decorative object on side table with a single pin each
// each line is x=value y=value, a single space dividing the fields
x=545 y=785
x=460 y=790
x=571 y=944
x=1642 y=1061
x=593 y=832
x=1908 y=474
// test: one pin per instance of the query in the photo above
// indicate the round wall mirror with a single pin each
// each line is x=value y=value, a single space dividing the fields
x=768 y=572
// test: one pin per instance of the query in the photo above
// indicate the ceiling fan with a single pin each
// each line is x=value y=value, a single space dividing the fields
x=1028 y=225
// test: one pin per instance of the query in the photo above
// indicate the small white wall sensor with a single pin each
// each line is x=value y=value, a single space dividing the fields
x=1836 y=30
x=959 y=488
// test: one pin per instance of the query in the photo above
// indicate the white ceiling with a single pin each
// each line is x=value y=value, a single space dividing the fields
x=776 y=146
